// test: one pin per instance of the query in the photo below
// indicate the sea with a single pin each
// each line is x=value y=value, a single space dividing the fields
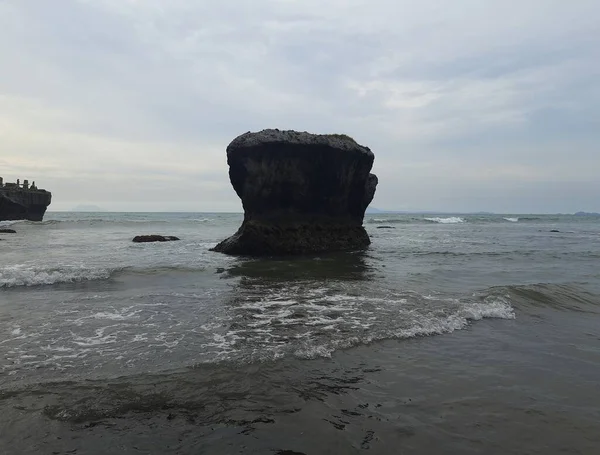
x=450 y=334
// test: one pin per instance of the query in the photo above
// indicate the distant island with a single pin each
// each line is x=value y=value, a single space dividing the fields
x=87 y=208
x=587 y=214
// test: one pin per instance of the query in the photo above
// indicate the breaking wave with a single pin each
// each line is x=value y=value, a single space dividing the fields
x=10 y=222
x=512 y=220
x=31 y=275
x=448 y=220
x=309 y=322
x=262 y=322
x=565 y=297
x=416 y=219
x=392 y=220
x=496 y=308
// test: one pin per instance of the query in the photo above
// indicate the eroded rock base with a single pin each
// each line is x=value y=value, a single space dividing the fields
x=260 y=239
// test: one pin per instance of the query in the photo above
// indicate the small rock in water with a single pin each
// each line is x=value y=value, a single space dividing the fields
x=154 y=238
x=386 y=227
x=554 y=230
x=7 y=231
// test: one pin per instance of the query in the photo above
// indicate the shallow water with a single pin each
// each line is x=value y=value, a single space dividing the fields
x=450 y=334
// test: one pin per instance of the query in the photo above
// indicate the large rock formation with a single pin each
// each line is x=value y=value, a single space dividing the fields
x=301 y=193
x=23 y=204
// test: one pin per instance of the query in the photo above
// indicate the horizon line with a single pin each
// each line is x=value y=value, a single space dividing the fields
x=378 y=212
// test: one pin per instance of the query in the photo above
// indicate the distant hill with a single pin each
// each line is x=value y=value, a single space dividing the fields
x=87 y=208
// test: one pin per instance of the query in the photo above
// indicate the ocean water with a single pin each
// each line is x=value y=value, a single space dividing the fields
x=450 y=335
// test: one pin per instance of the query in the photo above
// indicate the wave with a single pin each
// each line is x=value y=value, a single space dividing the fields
x=262 y=322
x=416 y=219
x=313 y=322
x=491 y=308
x=500 y=302
x=449 y=220
x=30 y=275
x=391 y=220
x=466 y=218
x=116 y=221
x=565 y=297
x=10 y=222
x=98 y=220
x=176 y=389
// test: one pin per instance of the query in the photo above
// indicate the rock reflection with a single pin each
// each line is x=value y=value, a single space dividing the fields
x=345 y=266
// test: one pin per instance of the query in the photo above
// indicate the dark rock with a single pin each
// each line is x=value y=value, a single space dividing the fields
x=21 y=204
x=386 y=227
x=302 y=193
x=554 y=230
x=7 y=231
x=154 y=238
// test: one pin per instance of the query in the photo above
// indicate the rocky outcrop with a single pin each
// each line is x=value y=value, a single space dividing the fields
x=154 y=238
x=7 y=231
x=302 y=193
x=20 y=204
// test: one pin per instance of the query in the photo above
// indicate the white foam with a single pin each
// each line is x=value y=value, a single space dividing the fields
x=266 y=323
x=512 y=220
x=115 y=316
x=57 y=348
x=492 y=307
x=438 y=298
x=30 y=275
x=449 y=220
x=426 y=324
x=98 y=339
x=10 y=222
x=312 y=352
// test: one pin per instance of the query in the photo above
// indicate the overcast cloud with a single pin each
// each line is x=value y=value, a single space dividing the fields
x=468 y=105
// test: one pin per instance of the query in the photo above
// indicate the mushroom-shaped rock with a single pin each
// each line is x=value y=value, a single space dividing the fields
x=302 y=193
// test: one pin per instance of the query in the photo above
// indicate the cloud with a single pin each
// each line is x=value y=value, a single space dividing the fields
x=131 y=102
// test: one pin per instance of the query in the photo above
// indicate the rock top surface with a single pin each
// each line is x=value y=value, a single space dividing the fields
x=290 y=137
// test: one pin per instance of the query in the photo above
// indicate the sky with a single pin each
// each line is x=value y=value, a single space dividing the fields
x=468 y=105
